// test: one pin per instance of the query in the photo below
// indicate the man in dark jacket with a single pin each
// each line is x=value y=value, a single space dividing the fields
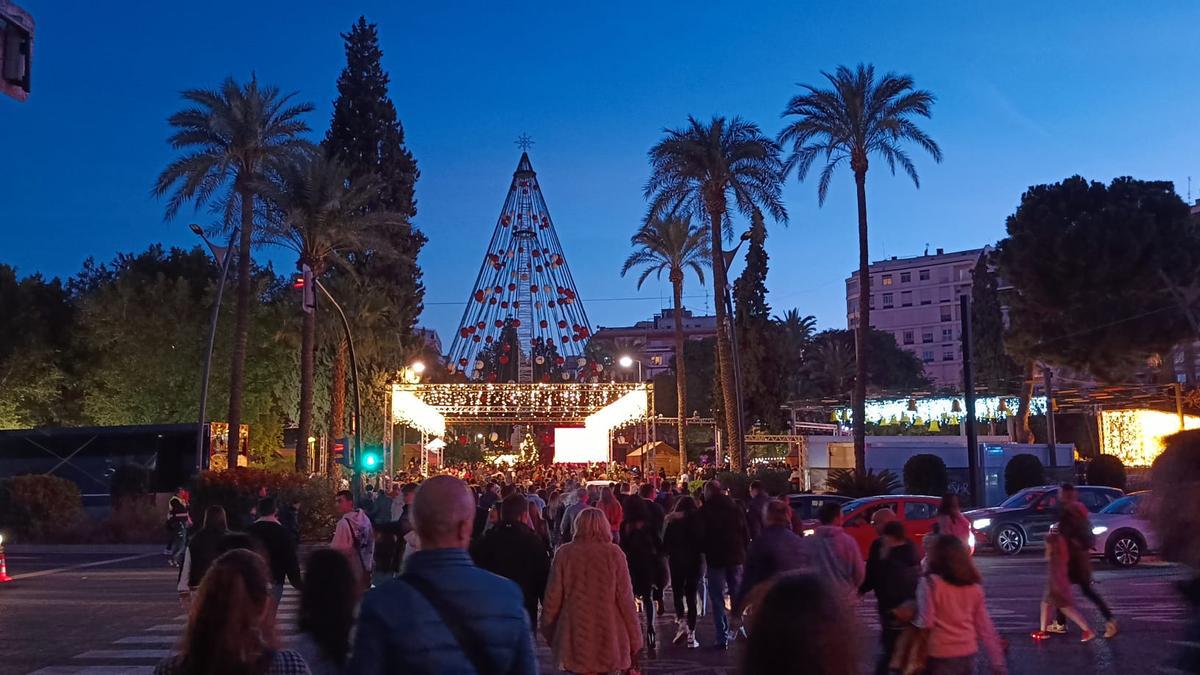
x=514 y=551
x=279 y=546
x=725 y=542
x=774 y=551
x=893 y=567
x=658 y=515
x=444 y=614
x=754 y=509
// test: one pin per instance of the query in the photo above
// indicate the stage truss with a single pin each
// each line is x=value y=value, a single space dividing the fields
x=601 y=407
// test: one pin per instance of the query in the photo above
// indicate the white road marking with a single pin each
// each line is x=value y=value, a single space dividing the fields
x=125 y=654
x=56 y=570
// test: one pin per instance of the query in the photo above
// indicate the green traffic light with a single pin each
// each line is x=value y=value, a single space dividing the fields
x=370 y=461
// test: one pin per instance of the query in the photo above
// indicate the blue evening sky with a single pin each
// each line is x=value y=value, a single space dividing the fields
x=1027 y=93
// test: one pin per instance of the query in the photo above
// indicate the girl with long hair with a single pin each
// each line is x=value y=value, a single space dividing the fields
x=612 y=511
x=229 y=628
x=327 y=605
x=643 y=548
x=950 y=604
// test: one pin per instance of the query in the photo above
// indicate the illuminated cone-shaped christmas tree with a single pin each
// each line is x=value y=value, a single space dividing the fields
x=524 y=321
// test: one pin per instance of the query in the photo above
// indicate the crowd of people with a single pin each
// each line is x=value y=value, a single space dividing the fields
x=466 y=571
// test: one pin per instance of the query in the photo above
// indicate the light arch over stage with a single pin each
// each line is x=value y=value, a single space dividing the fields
x=583 y=414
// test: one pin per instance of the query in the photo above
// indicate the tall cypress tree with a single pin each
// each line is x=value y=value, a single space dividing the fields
x=762 y=382
x=366 y=135
x=994 y=368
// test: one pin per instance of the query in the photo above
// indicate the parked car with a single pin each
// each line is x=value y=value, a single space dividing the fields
x=805 y=506
x=1123 y=531
x=1023 y=519
x=916 y=512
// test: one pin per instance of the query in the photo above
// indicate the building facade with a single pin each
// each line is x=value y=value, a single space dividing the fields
x=653 y=341
x=917 y=301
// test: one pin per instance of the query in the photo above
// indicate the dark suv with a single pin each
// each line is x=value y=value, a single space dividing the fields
x=1024 y=518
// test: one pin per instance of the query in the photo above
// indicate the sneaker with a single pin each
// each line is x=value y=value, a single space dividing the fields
x=1088 y=635
x=1110 y=628
x=1040 y=635
x=681 y=633
x=1057 y=629
x=692 y=642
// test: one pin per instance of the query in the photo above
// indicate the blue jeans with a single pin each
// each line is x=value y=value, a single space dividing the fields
x=721 y=580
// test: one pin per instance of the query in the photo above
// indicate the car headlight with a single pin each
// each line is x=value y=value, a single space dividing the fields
x=1099 y=530
x=971 y=541
x=809 y=533
x=982 y=523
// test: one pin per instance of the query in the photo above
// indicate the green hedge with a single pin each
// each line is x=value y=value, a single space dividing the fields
x=38 y=507
x=237 y=491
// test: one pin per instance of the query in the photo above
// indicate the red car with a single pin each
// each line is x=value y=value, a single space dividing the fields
x=916 y=512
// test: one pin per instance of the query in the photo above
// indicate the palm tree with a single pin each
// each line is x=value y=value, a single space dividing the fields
x=798 y=331
x=695 y=171
x=858 y=117
x=231 y=138
x=314 y=213
x=673 y=245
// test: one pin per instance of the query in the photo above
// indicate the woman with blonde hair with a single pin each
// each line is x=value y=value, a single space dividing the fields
x=229 y=629
x=588 y=615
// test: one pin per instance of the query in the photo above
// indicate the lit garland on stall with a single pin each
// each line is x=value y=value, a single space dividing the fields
x=516 y=402
x=630 y=407
x=944 y=409
x=410 y=410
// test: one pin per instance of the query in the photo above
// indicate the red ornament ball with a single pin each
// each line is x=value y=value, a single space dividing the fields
x=503 y=360
x=543 y=323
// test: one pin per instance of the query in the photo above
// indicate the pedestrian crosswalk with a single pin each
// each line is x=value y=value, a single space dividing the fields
x=138 y=654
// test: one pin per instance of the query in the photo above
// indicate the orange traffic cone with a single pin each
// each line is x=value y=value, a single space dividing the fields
x=3 y=567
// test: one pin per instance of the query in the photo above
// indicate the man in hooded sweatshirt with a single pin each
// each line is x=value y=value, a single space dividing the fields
x=834 y=554
x=354 y=536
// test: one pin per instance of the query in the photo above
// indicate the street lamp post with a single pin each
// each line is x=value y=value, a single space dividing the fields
x=626 y=361
x=355 y=481
x=223 y=258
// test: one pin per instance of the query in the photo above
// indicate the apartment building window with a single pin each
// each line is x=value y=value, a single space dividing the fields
x=927 y=335
x=944 y=275
x=871 y=302
x=887 y=301
x=908 y=337
x=926 y=296
x=947 y=314
x=923 y=275
x=852 y=286
x=947 y=334
x=947 y=355
x=887 y=280
x=944 y=294
x=906 y=298
x=905 y=277
x=927 y=356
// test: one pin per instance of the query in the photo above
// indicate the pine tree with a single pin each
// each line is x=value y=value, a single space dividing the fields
x=367 y=137
x=763 y=389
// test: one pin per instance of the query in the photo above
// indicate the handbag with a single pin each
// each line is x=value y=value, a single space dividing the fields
x=912 y=651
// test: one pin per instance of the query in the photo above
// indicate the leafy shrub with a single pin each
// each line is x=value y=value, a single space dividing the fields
x=925 y=474
x=38 y=507
x=855 y=483
x=696 y=485
x=1106 y=470
x=738 y=484
x=775 y=481
x=1023 y=471
x=237 y=491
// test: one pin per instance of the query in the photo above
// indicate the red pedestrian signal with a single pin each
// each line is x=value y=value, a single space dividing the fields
x=298 y=282
x=339 y=452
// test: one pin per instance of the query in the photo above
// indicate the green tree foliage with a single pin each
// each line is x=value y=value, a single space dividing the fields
x=232 y=138
x=859 y=116
x=762 y=351
x=855 y=483
x=925 y=474
x=1023 y=471
x=366 y=135
x=830 y=366
x=695 y=171
x=994 y=368
x=795 y=332
x=1090 y=266
x=38 y=507
x=35 y=363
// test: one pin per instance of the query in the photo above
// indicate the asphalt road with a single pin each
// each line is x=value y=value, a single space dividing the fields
x=122 y=617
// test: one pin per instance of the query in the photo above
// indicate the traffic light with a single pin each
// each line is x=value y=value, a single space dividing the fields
x=371 y=461
x=339 y=452
x=308 y=291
